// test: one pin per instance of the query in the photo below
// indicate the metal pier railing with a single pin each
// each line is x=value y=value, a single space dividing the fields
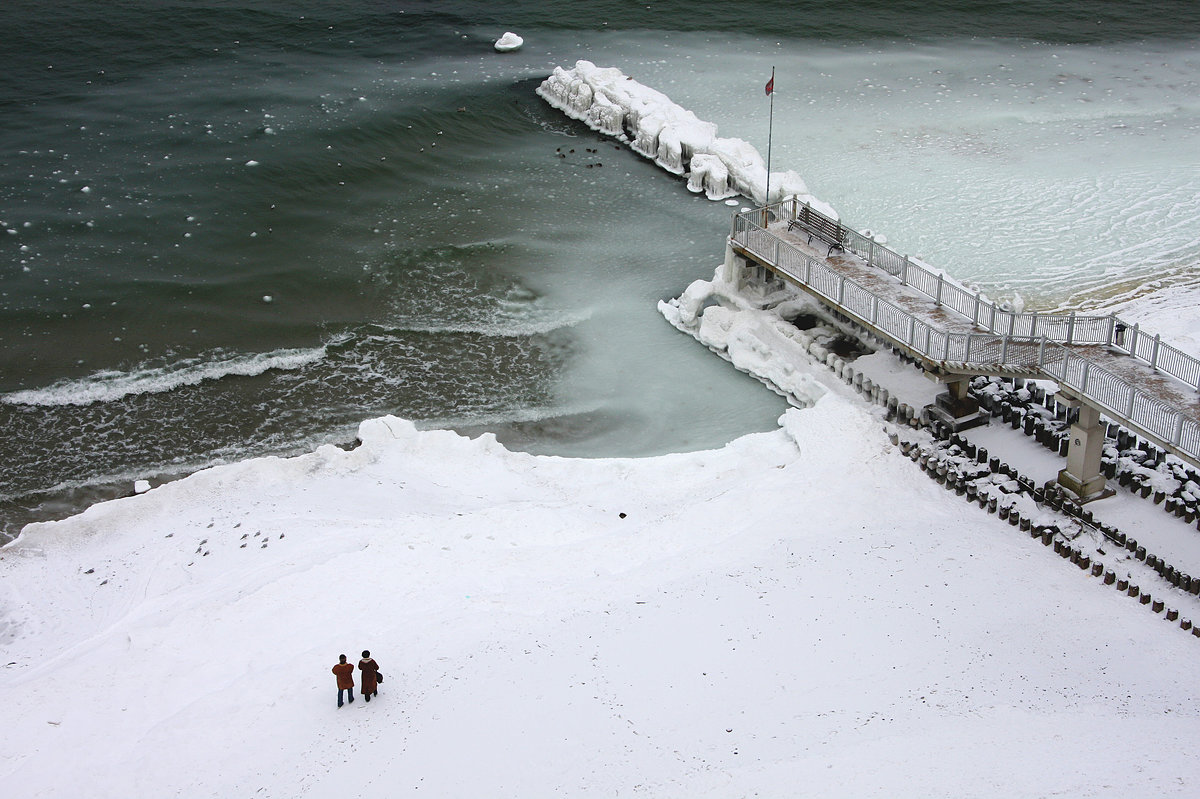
x=996 y=341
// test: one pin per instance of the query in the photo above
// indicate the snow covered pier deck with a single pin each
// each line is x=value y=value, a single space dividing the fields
x=1105 y=364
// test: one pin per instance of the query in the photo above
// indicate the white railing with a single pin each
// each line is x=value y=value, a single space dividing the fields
x=1069 y=328
x=1010 y=343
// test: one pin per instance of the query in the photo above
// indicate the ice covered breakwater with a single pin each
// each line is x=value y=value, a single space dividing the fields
x=610 y=102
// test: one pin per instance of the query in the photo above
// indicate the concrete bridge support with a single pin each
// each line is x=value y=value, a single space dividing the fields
x=955 y=406
x=735 y=268
x=1082 y=476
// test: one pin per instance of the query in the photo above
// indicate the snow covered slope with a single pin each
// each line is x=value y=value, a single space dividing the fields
x=799 y=613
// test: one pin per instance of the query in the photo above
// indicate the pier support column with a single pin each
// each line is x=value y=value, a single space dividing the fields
x=1082 y=476
x=735 y=268
x=955 y=406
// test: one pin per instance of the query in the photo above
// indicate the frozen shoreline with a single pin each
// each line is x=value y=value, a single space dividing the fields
x=798 y=605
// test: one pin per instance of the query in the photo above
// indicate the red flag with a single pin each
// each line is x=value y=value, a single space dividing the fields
x=771 y=85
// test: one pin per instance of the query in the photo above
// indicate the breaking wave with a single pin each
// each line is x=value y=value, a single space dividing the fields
x=113 y=385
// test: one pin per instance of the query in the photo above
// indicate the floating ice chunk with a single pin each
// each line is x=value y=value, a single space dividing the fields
x=509 y=42
x=251 y=163
x=268 y=298
x=86 y=190
x=141 y=486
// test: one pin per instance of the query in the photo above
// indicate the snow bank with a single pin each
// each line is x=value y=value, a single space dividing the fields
x=801 y=607
x=610 y=102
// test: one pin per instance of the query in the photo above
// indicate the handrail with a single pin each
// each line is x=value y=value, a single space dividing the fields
x=986 y=351
x=1068 y=328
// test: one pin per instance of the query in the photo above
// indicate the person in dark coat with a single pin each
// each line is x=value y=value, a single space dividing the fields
x=370 y=674
x=345 y=678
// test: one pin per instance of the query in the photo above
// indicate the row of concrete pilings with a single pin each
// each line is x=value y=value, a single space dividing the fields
x=972 y=474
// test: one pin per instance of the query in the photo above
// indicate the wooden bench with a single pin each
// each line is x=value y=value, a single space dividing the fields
x=821 y=226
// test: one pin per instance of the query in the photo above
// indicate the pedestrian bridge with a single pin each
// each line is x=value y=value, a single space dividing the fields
x=1108 y=365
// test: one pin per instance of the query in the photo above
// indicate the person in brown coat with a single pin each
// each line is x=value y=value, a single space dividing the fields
x=345 y=678
x=370 y=675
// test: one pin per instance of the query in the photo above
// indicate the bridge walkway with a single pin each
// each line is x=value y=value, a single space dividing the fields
x=1135 y=379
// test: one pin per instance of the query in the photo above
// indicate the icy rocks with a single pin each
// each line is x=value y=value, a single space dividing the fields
x=610 y=102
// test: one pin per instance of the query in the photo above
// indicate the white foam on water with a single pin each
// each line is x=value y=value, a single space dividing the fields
x=113 y=385
x=502 y=325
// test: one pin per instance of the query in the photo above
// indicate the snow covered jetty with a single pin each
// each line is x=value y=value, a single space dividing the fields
x=610 y=102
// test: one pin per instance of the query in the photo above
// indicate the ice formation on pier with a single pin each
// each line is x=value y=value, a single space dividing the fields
x=610 y=102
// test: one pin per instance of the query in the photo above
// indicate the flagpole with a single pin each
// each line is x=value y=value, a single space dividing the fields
x=770 y=133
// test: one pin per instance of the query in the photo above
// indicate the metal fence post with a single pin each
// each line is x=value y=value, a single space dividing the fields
x=1133 y=337
x=1178 y=434
x=975 y=313
x=1071 y=327
x=1004 y=350
x=1041 y=352
x=941 y=280
x=841 y=288
x=1132 y=397
x=1154 y=351
x=1086 y=370
x=874 y=309
x=1033 y=324
x=904 y=272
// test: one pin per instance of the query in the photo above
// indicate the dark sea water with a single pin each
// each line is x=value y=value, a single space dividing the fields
x=239 y=228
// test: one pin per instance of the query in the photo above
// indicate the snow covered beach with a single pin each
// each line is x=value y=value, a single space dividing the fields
x=799 y=612
x=790 y=613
